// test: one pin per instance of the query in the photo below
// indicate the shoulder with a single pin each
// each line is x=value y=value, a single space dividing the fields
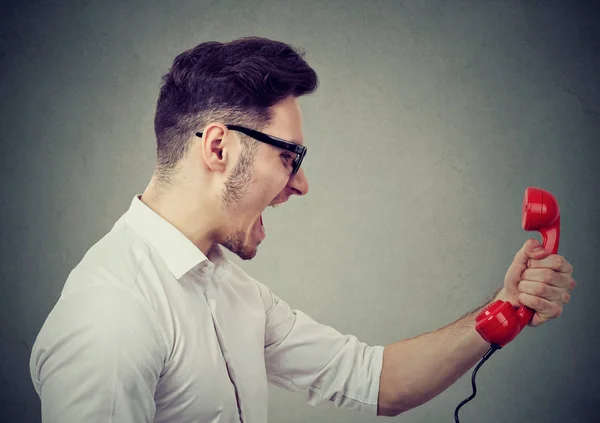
x=101 y=294
x=115 y=259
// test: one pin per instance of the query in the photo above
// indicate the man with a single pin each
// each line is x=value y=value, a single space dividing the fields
x=155 y=324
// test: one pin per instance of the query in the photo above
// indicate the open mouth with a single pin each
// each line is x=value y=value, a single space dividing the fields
x=260 y=228
x=260 y=224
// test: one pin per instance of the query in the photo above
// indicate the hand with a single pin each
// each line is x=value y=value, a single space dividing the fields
x=538 y=280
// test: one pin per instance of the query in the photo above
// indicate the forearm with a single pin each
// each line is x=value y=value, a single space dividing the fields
x=416 y=370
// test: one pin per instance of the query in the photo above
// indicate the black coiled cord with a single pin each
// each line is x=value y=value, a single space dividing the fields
x=487 y=355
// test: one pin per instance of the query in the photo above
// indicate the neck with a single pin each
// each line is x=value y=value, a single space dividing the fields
x=181 y=206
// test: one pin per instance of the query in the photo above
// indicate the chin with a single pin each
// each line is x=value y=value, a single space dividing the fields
x=241 y=248
x=246 y=253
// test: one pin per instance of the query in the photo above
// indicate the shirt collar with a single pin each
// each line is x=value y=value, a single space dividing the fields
x=178 y=252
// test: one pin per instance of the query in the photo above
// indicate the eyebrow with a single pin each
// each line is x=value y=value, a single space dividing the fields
x=286 y=139
x=293 y=141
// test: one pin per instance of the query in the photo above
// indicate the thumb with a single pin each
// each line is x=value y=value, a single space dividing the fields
x=532 y=249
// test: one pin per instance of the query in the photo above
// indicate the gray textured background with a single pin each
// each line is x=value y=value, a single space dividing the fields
x=431 y=120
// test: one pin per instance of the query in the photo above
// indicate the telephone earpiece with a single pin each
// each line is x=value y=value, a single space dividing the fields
x=500 y=322
x=541 y=213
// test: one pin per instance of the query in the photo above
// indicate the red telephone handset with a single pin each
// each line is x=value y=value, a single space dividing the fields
x=500 y=322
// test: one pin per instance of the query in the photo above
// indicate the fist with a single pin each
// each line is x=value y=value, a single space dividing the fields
x=538 y=280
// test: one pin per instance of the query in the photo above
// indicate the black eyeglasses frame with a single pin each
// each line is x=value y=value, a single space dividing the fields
x=300 y=150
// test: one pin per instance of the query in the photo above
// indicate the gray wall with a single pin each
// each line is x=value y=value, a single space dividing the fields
x=431 y=120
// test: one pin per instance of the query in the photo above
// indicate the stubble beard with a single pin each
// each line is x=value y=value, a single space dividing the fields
x=235 y=187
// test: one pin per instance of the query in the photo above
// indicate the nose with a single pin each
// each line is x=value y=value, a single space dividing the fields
x=298 y=183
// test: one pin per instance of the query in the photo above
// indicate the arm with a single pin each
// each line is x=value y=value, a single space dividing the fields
x=302 y=355
x=437 y=360
x=418 y=369
x=97 y=358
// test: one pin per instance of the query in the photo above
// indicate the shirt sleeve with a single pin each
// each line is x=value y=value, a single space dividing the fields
x=302 y=355
x=97 y=358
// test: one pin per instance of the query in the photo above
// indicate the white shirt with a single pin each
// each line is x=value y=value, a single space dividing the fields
x=148 y=329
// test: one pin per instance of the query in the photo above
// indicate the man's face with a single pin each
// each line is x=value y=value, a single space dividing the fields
x=262 y=178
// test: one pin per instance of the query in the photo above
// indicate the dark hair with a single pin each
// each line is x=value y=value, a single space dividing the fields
x=237 y=82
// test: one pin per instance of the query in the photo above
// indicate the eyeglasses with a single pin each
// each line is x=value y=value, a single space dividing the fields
x=300 y=150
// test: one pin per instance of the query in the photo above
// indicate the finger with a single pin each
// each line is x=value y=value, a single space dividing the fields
x=550 y=277
x=544 y=308
x=553 y=261
x=542 y=290
x=538 y=319
x=522 y=257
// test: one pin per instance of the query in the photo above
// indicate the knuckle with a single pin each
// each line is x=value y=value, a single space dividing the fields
x=565 y=281
x=541 y=290
x=548 y=275
x=559 y=262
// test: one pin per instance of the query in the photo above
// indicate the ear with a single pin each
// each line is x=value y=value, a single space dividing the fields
x=216 y=147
